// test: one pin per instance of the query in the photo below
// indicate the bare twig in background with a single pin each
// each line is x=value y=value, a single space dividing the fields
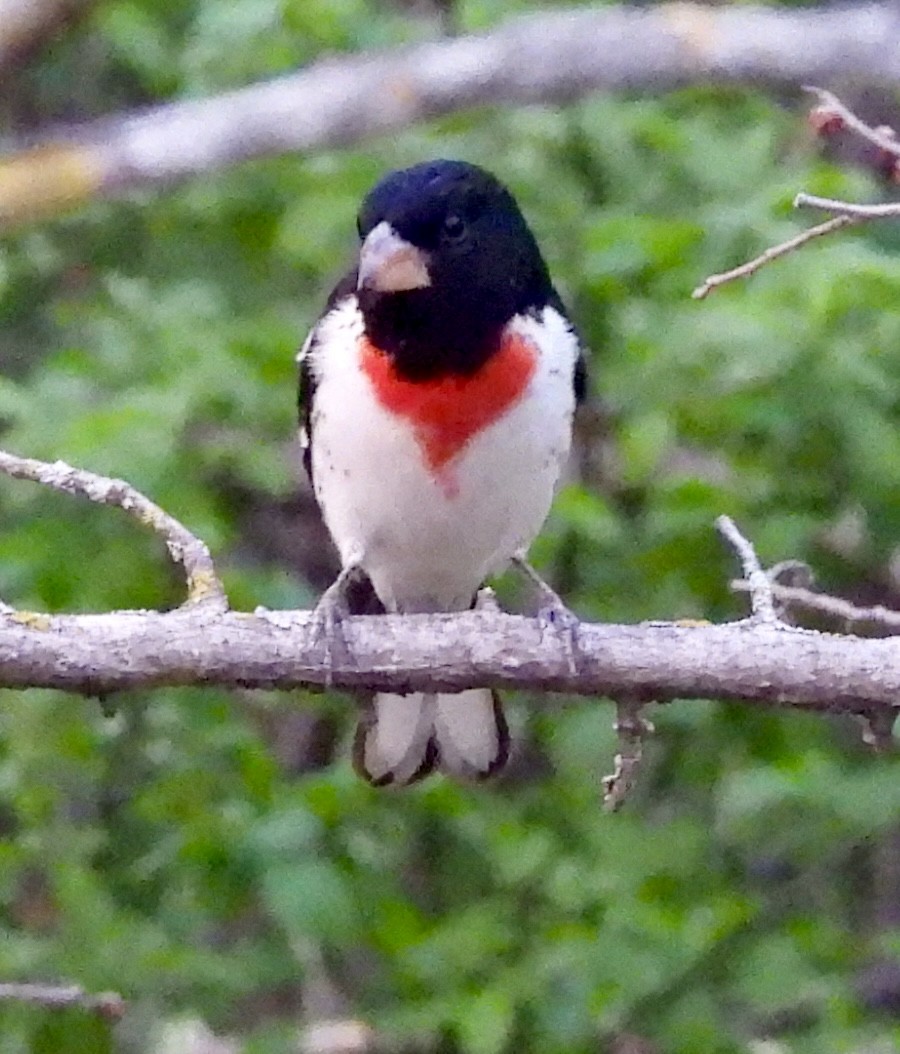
x=830 y=116
x=832 y=109
x=886 y=210
x=752 y=266
x=57 y=997
x=759 y=585
x=835 y=607
x=631 y=727
x=553 y=57
x=202 y=581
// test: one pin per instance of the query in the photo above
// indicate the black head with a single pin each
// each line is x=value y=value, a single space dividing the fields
x=447 y=260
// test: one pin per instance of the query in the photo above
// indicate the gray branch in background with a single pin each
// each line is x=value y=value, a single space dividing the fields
x=548 y=58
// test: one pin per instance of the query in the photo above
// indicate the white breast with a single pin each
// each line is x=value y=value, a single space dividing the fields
x=428 y=543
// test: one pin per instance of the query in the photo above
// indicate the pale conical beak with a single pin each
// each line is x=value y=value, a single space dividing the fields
x=388 y=264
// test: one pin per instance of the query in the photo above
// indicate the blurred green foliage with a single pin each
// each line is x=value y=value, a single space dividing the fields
x=173 y=853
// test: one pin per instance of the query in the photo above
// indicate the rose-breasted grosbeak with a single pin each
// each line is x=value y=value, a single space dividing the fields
x=436 y=398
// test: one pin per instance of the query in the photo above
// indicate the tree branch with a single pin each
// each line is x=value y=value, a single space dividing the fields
x=759 y=661
x=754 y=662
x=548 y=58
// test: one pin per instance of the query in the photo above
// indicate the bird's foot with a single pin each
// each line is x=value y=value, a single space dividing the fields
x=328 y=616
x=553 y=614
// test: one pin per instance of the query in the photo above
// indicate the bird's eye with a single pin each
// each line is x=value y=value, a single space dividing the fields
x=454 y=228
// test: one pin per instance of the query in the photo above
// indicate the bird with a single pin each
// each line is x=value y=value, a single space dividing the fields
x=437 y=394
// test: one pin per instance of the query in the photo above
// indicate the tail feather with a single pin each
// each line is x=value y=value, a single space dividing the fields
x=392 y=740
x=401 y=737
x=471 y=732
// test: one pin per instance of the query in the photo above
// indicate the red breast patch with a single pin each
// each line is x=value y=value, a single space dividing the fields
x=448 y=411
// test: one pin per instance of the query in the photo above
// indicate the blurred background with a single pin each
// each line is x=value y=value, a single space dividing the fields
x=210 y=855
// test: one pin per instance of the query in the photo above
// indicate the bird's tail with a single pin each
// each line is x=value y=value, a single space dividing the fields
x=401 y=738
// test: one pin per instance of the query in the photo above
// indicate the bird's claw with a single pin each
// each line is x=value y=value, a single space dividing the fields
x=328 y=618
x=557 y=618
x=328 y=631
x=553 y=614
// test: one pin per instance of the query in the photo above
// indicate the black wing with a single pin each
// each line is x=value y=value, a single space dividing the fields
x=580 y=377
x=306 y=391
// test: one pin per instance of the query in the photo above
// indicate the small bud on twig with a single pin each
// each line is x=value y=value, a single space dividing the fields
x=826 y=121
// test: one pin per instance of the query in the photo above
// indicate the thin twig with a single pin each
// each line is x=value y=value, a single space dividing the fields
x=762 y=603
x=886 y=210
x=203 y=583
x=824 y=604
x=773 y=253
x=631 y=728
x=846 y=213
x=882 y=139
x=56 y=997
